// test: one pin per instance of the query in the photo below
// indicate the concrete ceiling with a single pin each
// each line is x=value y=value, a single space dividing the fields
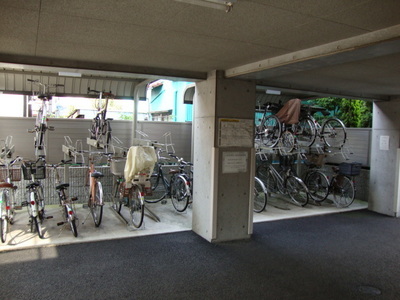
x=310 y=47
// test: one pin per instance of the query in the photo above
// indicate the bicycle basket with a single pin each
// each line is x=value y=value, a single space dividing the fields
x=29 y=168
x=15 y=173
x=117 y=166
x=350 y=169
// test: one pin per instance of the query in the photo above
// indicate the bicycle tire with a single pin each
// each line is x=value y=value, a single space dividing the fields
x=38 y=226
x=265 y=174
x=96 y=206
x=334 y=133
x=297 y=190
x=343 y=191
x=271 y=131
x=306 y=132
x=3 y=229
x=180 y=193
x=118 y=196
x=71 y=221
x=318 y=185
x=287 y=142
x=159 y=193
x=136 y=206
x=260 y=197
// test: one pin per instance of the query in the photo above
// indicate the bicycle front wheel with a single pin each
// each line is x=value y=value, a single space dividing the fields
x=136 y=206
x=297 y=190
x=3 y=229
x=334 y=133
x=180 y=193
x=71 y=220
x=267 y=178
x=271 y=131
x=343 y=191
x=318 y=185
x=306 y=132
x=259 y=196
x=287 y=142
x=96 y=204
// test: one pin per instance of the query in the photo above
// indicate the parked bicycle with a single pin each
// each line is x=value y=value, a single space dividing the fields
x=260 y=195
x=95 y=201
x=181 y=184
x=341 y=185
x=33 y=171
x=41 y=119
x=9 y=173
x=283 y=182
x=332 y=132
x=100 y=129
x=66 y=203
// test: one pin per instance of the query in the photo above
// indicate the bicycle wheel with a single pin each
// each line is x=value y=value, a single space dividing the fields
x=119 y=189
x=271 y=131
x=3 y=229
x=287 y=142
x=318 y=185
x=265 y=174
x=136 y=206
x=297 y=190
x=306 y=132
x=260 y=196
x=71 y=220
x=159 y=191
x=38 y=226
x=334 y=133
x=343 y=191
x=96 y=205
x=180 y=193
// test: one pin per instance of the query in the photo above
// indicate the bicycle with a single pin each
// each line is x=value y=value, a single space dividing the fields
x=260 y=195
x=341 y=185
x=332 y=131
x=283 y=182
x=8 y=174
x=100 y=129
x=66 y=203
x=33 y=171
x=41 y=119
x=181 y=184
x=95 y=201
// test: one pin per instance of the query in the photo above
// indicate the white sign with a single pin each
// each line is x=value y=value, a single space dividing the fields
x=384 y=142
x=234 y=162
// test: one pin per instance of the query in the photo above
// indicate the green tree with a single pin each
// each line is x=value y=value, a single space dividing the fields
x=353 y=113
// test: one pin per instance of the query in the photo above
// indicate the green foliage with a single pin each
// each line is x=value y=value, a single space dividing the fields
x=353 y=113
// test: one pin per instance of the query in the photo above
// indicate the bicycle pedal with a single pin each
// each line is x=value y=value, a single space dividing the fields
x=18 y=207
x=60 y=223
x=164 y=202
x=74 y=198
x=49 y=217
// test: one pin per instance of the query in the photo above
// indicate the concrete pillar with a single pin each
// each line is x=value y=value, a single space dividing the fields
x=224 y=158
x=385 y=158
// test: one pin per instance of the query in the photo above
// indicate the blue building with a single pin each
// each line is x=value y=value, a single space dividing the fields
x=167 y=101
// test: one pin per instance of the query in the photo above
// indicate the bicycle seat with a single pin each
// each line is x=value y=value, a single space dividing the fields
x=7 y=185
x=62 y=186
x=32 y=185
x=97 y=175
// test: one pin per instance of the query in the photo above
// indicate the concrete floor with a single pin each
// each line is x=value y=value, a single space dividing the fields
x=112 y=227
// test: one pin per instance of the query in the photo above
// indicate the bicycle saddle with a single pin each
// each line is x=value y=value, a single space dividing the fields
x=62 y=186
x=96 y=174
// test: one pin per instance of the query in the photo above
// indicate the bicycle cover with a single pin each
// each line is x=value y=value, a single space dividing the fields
x=140 y=159
x=290 y=112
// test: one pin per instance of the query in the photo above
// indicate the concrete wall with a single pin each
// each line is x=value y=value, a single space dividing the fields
x=384 y=161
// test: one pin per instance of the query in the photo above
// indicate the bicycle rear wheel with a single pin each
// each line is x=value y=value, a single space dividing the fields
x=318 y=185
x=271 y=131
x=159 y=191
x=96 y=205
x=38 y=226
x=3 y=229
x=297 y=190
x=136 y=206
x=71 y=220
x=260 y=196
x=287 y=142
x=180 y=193
x=334 y=133
x=343 y=191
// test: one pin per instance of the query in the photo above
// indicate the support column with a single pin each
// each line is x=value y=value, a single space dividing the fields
x=385 y=159
x=223 y=158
